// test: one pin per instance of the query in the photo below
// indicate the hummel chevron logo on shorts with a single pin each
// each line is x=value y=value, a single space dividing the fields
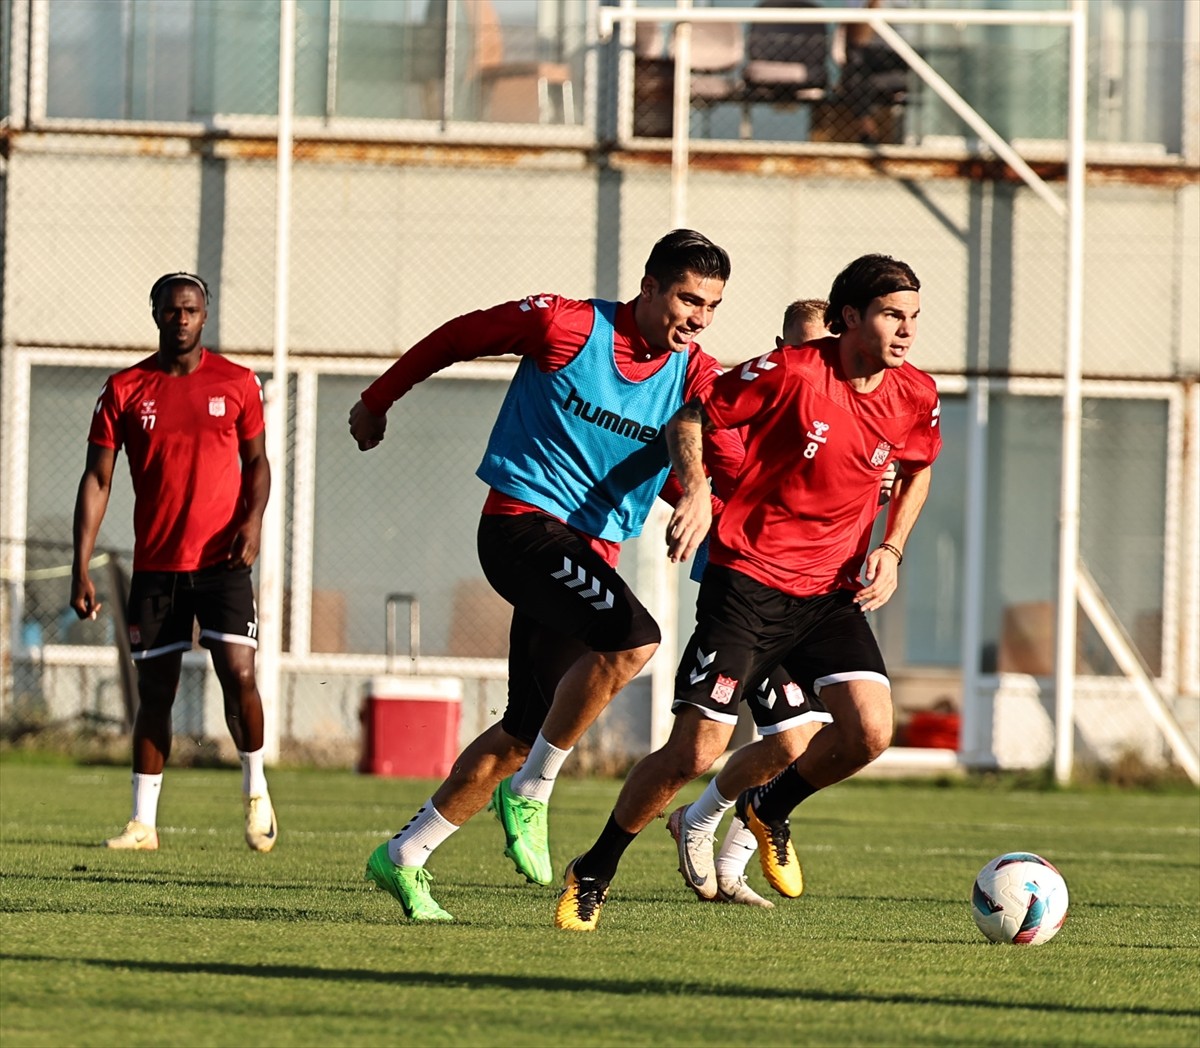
x=702 y=663
x=579 y=577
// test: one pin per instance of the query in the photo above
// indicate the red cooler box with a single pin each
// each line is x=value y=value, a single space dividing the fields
x=410 y=726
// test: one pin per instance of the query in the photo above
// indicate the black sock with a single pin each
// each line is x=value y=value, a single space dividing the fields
x=601 y=860
x=774 y=801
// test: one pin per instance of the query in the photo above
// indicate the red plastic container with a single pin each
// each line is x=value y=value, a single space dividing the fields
x=410 y=726
x=933 y=729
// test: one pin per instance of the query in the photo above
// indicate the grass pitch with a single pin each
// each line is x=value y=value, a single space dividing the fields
x=206 y=943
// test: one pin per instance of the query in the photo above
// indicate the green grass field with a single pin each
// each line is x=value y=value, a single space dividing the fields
x=205 y=943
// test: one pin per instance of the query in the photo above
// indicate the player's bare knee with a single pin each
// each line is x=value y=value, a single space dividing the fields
x=628 y=664
x=684 y=763
x=870 y=742
x=239 y=684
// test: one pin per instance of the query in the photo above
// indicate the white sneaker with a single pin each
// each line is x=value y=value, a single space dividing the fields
x=736 y=890
x=261 y=829
x=136 y=836
x=696 y=861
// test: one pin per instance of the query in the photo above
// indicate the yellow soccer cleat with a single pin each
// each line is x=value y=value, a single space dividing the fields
x=261 y=828
x=580 y=901
x=775 y=852
x=136 y=836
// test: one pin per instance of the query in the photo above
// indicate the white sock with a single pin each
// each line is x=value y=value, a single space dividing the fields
x=413 y=845
x=146 y=789
x=704 y=815
x=254 y=779
x=535 y=779
x=737 y=847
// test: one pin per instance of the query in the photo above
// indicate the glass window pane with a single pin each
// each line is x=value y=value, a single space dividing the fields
x=312 y=58
x=87 y=74
x=236 y=66
x=5 y=56
x=1122 y=519
x=127 y=60
x=391 y=58
x=518 y=61
x=927 y=610
x=61 y=403
x=1017 y=76
x=1021 y=544
x=1122 y=528
x=403 y=518
x=1135 y=72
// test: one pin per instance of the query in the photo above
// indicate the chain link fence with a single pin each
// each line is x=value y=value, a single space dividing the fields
x=396 y=229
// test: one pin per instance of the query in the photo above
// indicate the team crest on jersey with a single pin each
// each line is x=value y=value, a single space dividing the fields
x=881 y=453
x=723 y=690
x=135 y=635
x=216 y=407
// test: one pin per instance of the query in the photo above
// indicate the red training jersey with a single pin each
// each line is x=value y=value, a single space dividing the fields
x=799 y=519
x=552 y=330
x=182 y=435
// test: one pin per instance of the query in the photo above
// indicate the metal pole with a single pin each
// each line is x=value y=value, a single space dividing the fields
x=975 y=743
x=270 y=584
x=682 y=113
x=1072 y=407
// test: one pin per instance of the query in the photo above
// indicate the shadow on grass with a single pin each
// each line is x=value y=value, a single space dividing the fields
x=639 y=987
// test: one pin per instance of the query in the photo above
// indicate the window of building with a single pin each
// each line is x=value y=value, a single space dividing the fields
x=509 y=61
x=1122 y=540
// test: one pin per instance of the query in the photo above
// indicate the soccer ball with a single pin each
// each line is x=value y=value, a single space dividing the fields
x=1019 y=898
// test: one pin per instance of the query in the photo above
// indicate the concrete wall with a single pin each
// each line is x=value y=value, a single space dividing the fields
x=382 y=252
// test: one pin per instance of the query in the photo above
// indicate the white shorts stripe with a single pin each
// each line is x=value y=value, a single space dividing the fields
x=845 y=678
x=153 y=653
x=229 y=638
x=713 y=715
x=811 y=717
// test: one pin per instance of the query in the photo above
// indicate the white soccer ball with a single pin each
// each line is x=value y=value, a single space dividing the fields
x=1019 y=898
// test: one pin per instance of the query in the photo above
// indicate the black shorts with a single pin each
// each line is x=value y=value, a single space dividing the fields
x=747 y=632
x=163 y=605
x=566 y=601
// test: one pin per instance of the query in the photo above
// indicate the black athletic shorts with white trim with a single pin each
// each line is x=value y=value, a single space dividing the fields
x=566 y=601
x=163 y=605
x=747 y=632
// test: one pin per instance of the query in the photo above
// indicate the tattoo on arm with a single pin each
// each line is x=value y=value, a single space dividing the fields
x=685 y=446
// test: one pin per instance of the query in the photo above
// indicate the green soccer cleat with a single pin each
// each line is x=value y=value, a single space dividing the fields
x=524 y=822
x=408 y=885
